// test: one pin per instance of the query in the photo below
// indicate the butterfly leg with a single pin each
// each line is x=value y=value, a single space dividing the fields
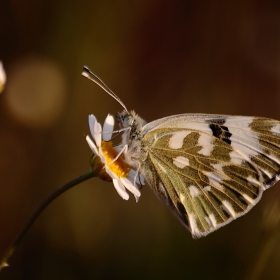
x=123 y=150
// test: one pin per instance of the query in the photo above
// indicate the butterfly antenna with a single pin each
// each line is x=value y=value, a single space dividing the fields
x=87 y=73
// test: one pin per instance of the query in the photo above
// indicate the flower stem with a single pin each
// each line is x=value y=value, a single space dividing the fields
x=39 y=210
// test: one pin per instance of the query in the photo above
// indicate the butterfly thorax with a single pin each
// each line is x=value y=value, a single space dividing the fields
x=132 y=124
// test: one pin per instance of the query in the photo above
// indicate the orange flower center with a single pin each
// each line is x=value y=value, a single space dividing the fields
x=118 y=167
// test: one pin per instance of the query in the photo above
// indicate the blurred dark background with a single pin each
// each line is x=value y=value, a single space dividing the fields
x=161 y=58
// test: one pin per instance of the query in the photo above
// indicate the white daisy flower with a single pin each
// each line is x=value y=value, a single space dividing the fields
x=113 y=164
x=2 y=77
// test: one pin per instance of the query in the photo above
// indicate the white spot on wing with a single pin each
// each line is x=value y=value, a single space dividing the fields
x=205 y=142
x=236 y=158
x=274 y=158
x=228 y=208
x=194 y=191
x=244 y=132
x=219 y=168
x=246 y=148
x=248 y=199
x=162 y=189
x=276 y=128
x=193 y=224
x=207 y=188
x=211 y=220
x=215 y=179
x=208 y=221
x=182 y=198
x=181 y=162
x=243 y=140
x=238 y=122
x=177 y=139
x=253 y=181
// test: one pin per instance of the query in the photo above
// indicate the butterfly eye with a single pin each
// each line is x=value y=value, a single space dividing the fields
x=120 y=120
x=123 y=119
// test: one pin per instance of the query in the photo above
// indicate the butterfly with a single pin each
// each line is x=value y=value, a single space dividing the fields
x=208 y=169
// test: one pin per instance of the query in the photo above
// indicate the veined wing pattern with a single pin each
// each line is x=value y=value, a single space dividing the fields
x=211 y=169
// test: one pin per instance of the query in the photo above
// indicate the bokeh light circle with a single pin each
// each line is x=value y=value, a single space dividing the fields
x=36 y=91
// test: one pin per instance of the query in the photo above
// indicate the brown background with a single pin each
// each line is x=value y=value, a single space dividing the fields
x=161 y=58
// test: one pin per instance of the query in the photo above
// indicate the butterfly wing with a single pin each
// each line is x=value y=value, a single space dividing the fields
x=211 y=169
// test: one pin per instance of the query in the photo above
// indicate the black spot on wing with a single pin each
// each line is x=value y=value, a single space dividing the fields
x=216 y=121
x=225 y=212
x=273 y=180
x=182 y=210
x=221 y=132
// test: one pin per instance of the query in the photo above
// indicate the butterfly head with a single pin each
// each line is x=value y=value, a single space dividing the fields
x=124 y=119
x=130 y=121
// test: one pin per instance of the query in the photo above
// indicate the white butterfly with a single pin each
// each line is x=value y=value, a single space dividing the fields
x=208 y=169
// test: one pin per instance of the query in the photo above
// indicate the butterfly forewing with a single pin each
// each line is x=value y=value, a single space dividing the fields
x=211 y=169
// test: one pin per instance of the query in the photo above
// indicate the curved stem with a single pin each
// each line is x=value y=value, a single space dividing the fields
x=39 y=210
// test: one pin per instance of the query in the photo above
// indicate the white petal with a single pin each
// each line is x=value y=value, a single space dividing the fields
x=133 y=176
x=91 y=122
x=136 y=177
x=92 y=145
x=118 y=148
x=108 y=128
x=130 y=186
x=103 y=160
x=136 y=198
x=97 y=133
x=120 y=189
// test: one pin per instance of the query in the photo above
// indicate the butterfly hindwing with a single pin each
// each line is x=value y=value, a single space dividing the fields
x=211 y=169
